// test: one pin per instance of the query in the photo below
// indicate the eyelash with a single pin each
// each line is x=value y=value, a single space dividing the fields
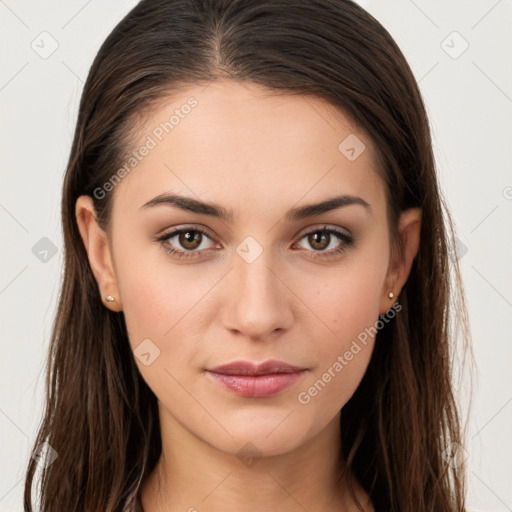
x=347 y=239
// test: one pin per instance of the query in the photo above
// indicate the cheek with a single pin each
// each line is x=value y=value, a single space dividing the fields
x=166 y=309
x=334 y=382
x=348 y=305
x=161 y=313
x=158 y=296
x=342 y=356
x=346 y=300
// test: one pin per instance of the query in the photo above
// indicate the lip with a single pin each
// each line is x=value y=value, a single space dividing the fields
x=248 y=379
x=248 y=368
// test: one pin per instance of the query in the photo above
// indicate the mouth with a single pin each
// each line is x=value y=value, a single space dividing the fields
x=256 y=380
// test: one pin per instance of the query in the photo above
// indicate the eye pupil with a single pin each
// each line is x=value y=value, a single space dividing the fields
x=315 y=239
x=186 y=239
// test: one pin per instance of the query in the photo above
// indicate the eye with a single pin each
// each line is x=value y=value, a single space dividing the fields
x=325 y=238
x=188 y=238
x=189 y=242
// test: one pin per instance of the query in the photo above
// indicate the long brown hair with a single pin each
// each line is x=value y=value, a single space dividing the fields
x=100 y=417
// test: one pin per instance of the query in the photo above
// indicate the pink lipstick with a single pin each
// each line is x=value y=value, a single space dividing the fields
x=256 y=380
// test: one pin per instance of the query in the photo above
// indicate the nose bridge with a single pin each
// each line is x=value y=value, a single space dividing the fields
x=258 y=300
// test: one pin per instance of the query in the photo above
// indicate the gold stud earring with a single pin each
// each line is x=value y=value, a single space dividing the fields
x=109 y=298
x=390 y=295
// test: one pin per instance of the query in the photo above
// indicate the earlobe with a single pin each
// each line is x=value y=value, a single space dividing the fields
x=96 y=244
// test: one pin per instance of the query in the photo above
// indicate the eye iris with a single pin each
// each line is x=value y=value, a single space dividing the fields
x=190 y=237
x=315 y=239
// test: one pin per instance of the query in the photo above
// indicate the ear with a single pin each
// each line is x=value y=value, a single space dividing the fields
x=409 y=227
x=96 y=244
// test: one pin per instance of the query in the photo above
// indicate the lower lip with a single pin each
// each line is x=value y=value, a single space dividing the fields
x=256 y=386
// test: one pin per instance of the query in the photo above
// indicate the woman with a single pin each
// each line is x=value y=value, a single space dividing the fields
x=255 y=311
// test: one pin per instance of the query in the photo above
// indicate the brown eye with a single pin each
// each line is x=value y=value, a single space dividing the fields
x=326 y=242
x=186 y=242
x=319 y=240
x=190 y=239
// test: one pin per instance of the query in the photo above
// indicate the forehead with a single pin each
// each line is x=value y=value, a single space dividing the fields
x=239 y=143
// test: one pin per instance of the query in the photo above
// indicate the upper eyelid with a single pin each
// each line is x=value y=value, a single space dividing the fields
x=326 y=227
x=176 y=231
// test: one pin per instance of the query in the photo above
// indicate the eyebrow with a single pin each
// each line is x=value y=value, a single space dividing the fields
x=217 y=211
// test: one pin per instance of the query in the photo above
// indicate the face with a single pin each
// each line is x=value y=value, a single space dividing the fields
x=267 y=279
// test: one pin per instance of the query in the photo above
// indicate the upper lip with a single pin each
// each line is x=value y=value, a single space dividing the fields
x=249 y=368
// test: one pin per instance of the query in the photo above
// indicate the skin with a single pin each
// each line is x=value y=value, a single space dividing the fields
x=258 y=154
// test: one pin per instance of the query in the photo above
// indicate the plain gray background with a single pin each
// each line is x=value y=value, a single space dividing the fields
x=460 y=52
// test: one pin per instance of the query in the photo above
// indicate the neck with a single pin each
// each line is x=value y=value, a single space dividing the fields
x=192 y=475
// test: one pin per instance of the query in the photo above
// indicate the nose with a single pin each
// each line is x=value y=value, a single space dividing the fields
x=260 y=303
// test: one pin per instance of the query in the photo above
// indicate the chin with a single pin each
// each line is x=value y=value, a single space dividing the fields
x=248 y=441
